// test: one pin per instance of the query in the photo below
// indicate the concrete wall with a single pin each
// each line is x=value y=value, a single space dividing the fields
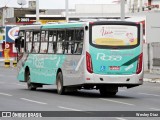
x=153 y=27
x=145 y=57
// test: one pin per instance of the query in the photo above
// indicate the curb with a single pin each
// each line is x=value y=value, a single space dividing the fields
x=154 y=80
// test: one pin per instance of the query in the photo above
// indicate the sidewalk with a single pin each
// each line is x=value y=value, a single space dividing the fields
x=151 y=77
x=2 y=61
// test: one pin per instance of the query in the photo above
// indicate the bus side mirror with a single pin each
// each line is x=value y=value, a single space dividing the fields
x=22 y=43
x=17 y=42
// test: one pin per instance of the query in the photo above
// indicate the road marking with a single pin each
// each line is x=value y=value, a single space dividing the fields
x=33 y=101
x=150 y=94
x=5 y=94
x=66 y=108
x=18 y=84
x=155 y=109
x=121 y=119
x=12 y=84
x=117 y=102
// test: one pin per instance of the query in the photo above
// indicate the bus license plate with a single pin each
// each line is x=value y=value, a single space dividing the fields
x=114 y=68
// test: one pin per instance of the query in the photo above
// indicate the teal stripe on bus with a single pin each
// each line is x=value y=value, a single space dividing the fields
x=63 y=25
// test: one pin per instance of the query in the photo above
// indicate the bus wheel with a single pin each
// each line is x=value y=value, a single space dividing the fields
x=60 y=87
x=30 y=85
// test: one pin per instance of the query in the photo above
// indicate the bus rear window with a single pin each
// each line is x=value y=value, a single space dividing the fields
x=114 y=35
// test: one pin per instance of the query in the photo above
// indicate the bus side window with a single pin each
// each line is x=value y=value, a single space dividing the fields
x=29 y=41
x=61 y=42
x=69 y=41
x=52 y=42
x=44 y=42
x=55 y=38
x=36 y=42
x=79 y=36
x=78 y=47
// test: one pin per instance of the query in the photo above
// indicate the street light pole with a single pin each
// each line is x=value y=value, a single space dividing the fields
x=37 y=10
x=66 y=7
x=122 y=10
x=140 y=8
x=4 y=16
x=3 y=24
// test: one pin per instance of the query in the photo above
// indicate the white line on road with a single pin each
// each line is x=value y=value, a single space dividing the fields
x=117 y=101
x=12 y=84
x=66 y=108
x=150 y=94
x=33 y=101
x=6 y=94
x=121 y=119
x=155 y=109
x=18 y=84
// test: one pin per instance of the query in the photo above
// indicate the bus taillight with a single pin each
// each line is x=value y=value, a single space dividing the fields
x=89 y=63
x=139 y=64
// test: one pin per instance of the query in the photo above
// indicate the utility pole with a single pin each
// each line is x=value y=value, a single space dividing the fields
x=140 y=6
x=66 y=7
x=37 y=10
x=4 y=15
x=135 y=6
x=130 y=6
x=122 y=10
x=4 y=20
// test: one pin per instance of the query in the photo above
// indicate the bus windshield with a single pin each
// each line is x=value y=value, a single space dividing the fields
x=114 y=35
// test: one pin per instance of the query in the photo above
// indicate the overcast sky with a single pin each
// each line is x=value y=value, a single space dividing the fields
x=55 y=4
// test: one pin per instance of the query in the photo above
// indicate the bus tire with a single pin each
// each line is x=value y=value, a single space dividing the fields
x=30 y=85
x=60 y=87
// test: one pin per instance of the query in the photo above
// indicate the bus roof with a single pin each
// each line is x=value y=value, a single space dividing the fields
x=63 y=25
x=67 y=25
x=30 y=27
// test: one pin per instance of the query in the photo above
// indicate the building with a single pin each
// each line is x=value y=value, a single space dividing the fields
x=12 y=17
x=143 y=5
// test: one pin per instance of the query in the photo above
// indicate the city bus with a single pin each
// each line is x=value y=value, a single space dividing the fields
x=101 y=55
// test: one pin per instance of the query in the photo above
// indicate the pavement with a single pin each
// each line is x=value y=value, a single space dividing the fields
x=148 y=77
x=151 y=77
x=2 y=61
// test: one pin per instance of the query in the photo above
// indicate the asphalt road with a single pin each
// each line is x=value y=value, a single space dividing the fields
x=14 y=96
